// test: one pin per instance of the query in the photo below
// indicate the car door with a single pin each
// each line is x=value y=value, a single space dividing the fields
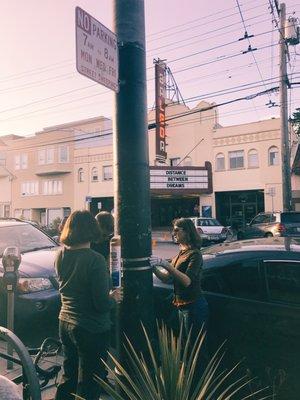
x=282 y=317
x=234 y=293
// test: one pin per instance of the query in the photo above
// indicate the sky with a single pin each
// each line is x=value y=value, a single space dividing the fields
x=40 y=86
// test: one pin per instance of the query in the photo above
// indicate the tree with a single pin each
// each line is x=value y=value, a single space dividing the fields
x=295 y=121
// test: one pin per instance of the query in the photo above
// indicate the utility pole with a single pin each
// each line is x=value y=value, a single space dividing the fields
x=285 y=146
x=132 y=177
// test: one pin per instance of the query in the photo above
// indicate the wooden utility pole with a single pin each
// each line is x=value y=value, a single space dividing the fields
x=284 y=129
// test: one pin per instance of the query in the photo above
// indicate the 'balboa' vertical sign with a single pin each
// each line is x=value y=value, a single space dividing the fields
x=160 y=103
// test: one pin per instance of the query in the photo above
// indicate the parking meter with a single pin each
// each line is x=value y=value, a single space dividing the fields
x=11 y=260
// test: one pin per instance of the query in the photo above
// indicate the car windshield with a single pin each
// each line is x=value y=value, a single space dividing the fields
x=290 y=218
x=26 y=237
x=208 y=222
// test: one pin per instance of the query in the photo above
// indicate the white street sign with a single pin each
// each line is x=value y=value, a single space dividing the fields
x=96 y=50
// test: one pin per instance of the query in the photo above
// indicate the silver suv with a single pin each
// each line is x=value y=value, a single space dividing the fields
x=267 y=224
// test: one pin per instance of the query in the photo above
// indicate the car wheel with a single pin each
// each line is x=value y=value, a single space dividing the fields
x=268 y=234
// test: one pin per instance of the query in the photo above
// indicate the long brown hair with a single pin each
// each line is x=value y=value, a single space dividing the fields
x=193 y=238
x=80 y=227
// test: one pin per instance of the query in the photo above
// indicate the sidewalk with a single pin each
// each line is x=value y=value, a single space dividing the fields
x=49 y=392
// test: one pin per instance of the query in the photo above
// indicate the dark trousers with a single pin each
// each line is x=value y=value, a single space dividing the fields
x=193 y=316
x=83 y=351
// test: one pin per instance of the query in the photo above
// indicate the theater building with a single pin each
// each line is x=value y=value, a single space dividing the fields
x=230 y=173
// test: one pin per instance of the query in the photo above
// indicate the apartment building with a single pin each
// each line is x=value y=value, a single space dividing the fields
x=5 y=183
x=40 y=174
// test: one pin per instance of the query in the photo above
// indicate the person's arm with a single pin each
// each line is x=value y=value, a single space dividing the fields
x=179 y=276
x=163 y=275
x=99 y=282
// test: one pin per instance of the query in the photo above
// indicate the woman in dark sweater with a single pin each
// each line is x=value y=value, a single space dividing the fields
x=84 y=319
x=185 y=269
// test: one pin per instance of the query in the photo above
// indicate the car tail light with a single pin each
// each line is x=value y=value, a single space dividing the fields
x=199 y=230
x=280 y=228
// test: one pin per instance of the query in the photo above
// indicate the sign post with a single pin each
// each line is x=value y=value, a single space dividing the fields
x=96 y=50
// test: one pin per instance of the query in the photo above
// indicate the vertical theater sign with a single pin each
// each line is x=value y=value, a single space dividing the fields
x=160 y=105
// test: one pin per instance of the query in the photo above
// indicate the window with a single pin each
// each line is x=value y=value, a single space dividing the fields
x=17 y=161
x=94 y=174
x=283 y=281
x=52 y=187
x=236 y=159
x=46 y=156
x=107 y=172
x=63 y=154
x=21 y=161
x=2 y=158
x=41 y=157
x=273 y=155
x=30 y=188
x=50 y=156
x=252 y=158
x=26 y=214
x=6 y=210
x=24 y=161
x=261 y=219
x=17 y=213
x=220 y=162
x=80 y=175
x=240 y=279
x=174 y=161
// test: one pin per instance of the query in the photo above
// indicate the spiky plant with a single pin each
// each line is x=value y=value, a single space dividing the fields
x=169 y=375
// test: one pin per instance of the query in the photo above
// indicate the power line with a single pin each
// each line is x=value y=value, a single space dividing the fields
x=204 y=24
x=203 y=34
x=34 y=70
x=250 y=49
x=197 y=19
x=212 y=48
x=222 y=58
x=176 y=116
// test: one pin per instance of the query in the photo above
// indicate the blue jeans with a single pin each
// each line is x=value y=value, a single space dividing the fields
x=194 y=316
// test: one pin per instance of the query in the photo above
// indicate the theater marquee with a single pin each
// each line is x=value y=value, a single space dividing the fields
x=184 y=180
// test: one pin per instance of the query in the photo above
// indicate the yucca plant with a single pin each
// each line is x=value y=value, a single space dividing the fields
x=169 y=374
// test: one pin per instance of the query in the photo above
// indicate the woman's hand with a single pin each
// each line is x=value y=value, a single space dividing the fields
x=157 y=261
x=117 y=294
x=161 y=273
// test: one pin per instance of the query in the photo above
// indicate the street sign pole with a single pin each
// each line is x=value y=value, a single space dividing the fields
x=131 y=180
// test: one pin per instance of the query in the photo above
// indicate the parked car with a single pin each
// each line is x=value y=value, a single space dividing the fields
x=37 y=291
x=253 y=291
x=209 y=229
x=266 y=224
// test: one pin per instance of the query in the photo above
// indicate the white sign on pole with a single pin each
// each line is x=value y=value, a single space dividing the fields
x=96 y=50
